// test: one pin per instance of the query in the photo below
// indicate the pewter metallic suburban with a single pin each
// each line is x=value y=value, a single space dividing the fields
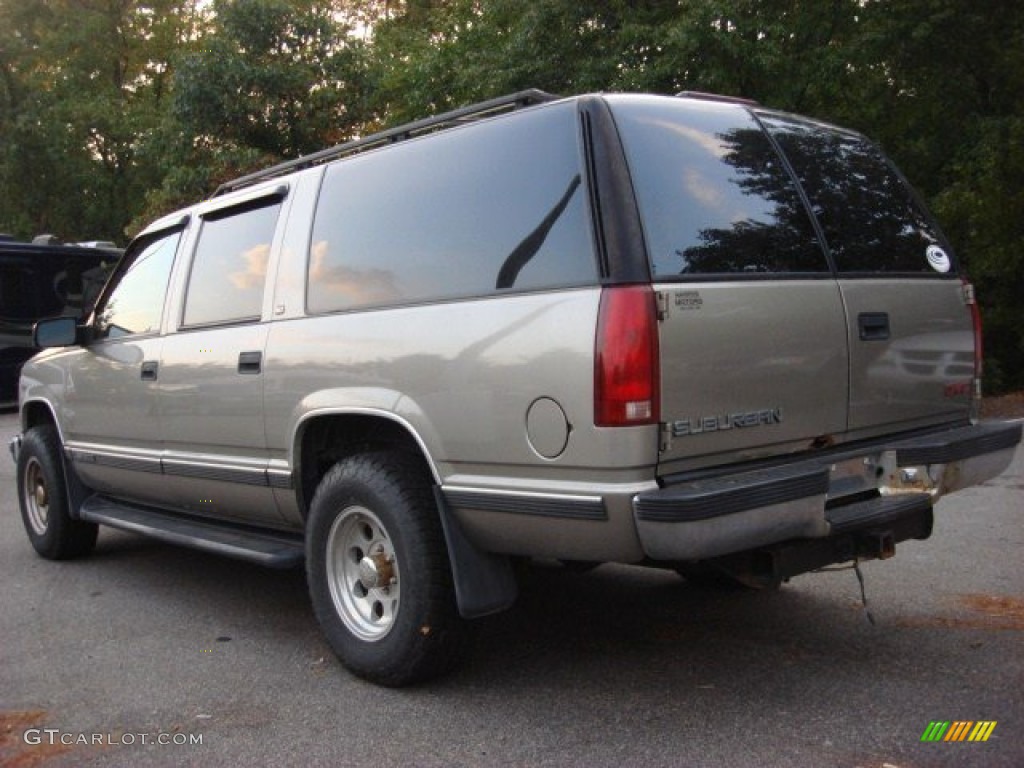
x=686 y=332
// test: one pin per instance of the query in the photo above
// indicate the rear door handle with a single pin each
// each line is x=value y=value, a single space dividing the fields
x=874 y=326
x=250 y=362
x=149 y=370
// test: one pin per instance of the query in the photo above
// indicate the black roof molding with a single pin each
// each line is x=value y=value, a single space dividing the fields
x=440 y=122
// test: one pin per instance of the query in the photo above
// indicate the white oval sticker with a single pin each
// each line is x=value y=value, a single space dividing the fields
x=938 y=259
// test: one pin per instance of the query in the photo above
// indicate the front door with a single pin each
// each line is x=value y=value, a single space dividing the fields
x=112 y=424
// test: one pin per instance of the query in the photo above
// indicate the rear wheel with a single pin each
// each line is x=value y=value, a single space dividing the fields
x=43 y=497
x=378 y=571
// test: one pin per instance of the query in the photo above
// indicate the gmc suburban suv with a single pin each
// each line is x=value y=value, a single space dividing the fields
x=687 y=332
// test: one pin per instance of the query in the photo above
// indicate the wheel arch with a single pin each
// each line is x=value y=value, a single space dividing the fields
x=483 y=582
x=325 y=437
x=37 y=412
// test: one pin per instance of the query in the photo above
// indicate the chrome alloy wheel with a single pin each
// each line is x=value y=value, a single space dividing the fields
x=363 y=574
x=37 y=496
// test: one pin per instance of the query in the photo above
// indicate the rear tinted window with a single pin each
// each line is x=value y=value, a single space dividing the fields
x=714 y=196
x=496 y=206
x=872 y=220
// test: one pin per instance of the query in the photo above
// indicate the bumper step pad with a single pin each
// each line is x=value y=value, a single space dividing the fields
x=959 y=444
x=881 y=511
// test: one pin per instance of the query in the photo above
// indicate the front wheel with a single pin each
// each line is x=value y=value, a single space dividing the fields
x=43 y=497
x=378 y=571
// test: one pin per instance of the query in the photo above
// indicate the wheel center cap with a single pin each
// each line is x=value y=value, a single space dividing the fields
x=375 y=571
x=40 y=494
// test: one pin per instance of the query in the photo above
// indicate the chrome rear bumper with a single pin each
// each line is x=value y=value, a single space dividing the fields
x=863 y=487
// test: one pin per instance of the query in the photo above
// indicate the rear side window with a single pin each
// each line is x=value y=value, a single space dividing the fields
x=492 y=207
x=714 y=196
x=229 y=268
x=872 y=220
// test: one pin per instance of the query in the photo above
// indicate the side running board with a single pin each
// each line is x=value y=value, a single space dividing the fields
x=264 y=547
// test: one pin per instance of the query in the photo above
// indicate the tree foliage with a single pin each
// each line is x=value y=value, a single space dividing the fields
x=114 y=111
x=85 y=82
x=280 y=76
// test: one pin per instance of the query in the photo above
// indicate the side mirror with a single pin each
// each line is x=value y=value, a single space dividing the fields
x=55 y=332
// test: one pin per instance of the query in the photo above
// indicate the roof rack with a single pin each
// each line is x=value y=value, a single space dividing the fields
x=717 y=97
x=440 y=122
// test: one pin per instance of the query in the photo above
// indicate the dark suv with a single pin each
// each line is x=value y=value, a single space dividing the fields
x=38 y=280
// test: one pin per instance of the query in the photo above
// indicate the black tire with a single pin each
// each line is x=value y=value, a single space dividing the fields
x=43 y=497
x=378 y=571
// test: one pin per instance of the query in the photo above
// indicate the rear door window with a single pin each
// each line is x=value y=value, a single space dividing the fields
x=872 y=220
x=229 y=269
x=715 y=198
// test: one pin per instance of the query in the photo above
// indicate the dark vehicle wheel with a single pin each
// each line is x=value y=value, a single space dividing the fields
x=378 y=571
x=43 y=496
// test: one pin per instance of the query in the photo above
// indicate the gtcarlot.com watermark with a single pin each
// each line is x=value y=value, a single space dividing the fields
x=54 y=737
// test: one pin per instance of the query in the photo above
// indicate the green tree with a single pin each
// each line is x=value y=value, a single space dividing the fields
x=949 y=106
x=85 y=84
x=280 y=76
x=787 y=53
x=268 y=80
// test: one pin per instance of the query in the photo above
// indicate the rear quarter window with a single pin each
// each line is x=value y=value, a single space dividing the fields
x=872 y=220
x=494 y=207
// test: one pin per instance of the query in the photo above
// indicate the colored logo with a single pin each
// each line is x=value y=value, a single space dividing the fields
x=958 y=730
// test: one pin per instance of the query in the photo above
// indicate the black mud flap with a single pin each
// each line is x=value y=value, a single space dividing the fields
x=484 y=582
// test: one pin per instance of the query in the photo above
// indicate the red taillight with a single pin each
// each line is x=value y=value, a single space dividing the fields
x=979 y=350
x=626 y=358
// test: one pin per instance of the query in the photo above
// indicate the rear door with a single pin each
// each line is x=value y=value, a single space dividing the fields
x=910 y=332
x=211 y=367
x=753 y=333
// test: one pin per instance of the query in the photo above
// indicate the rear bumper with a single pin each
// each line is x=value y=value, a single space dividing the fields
x=884 y=491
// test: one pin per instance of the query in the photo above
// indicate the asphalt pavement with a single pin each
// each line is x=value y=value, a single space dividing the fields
x=149 y=655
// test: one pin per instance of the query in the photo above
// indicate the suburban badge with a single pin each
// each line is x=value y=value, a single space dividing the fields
x=697 y=426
